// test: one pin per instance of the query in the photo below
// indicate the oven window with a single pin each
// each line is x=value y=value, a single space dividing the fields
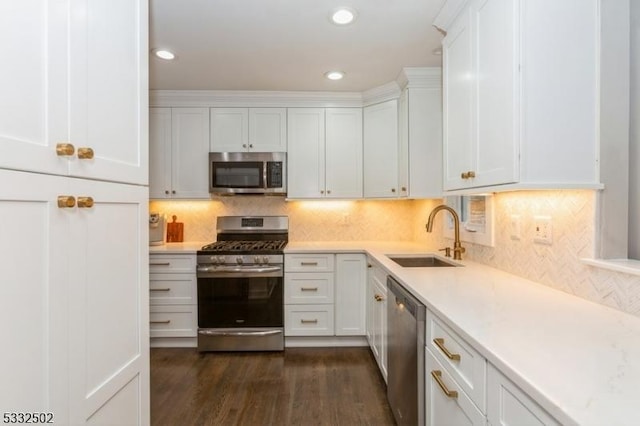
x=240 y=302
x=239 y=174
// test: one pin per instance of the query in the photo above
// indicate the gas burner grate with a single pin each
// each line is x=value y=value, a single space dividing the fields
x=248 y=246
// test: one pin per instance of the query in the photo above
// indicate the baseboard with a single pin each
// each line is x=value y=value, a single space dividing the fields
x=174 y=342
x=324 y=341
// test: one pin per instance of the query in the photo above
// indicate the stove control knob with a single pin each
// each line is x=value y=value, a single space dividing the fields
x=239 y=260
x=221 y=260
x=257 y=259
x=265 y=259
x=214 y=260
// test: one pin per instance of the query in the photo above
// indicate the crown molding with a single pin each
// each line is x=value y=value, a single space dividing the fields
x=382 y=93
x=413 y=77
x=255 y=98
x=448 y=13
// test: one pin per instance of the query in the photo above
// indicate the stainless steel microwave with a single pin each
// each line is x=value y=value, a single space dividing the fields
x=248 y=173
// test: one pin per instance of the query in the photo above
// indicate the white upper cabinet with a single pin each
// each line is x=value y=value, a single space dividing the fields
x=88 y=89
x=381 y=151
x=248 y=129
x=516 y=111
x=179 y=154
x=325 y=153
x=420 y=134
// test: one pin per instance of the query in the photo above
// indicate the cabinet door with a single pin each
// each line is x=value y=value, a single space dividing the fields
x=496 y=150
x=190 y=153
x=508 y=405
x=351 y=287
x=33 y=82
x=159 y=152
x=108 y=301
x=306 y=161
x=343 y=153
x=458 y=98
x=381 y=150
x=108 y=90
x=267 y=129
x=229 y=129
x=33 y=303
x=380 y=324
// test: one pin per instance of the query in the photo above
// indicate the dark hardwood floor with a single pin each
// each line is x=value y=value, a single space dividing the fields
x=300 y=386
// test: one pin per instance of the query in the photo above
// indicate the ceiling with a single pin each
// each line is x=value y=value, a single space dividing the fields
x=289 y=44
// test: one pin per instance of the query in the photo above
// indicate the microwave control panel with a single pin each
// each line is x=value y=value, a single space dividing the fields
x=274 y=174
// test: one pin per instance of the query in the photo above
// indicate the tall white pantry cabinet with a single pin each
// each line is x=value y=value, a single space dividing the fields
x=73 y=201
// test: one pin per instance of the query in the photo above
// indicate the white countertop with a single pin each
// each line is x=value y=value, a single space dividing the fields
x=578 y=359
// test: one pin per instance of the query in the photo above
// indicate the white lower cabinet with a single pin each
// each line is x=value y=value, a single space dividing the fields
x=324 y=294
x=377 y=315
x=447 y=403
x=508 y=405
x=173 y=299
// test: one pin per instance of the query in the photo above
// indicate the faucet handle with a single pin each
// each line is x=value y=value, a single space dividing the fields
x=447 y=251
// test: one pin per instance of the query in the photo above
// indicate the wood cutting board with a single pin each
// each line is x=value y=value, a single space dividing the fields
x=175 y=231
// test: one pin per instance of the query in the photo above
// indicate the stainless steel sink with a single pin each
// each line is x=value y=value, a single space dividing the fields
x=421 y=261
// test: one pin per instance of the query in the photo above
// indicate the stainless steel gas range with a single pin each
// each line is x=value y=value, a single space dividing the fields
x=241 y=285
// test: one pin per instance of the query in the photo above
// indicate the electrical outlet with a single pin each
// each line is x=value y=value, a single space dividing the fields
x=543 y=230
x=515 y=227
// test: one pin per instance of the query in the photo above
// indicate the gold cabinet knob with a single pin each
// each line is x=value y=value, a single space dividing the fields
x=64 y=149
x=322 y=191
x=393 y=190
x=85 y=202
x=403 y=189
x=468 y=175
x=328 y=191
x=85 y=153
x=66 y=201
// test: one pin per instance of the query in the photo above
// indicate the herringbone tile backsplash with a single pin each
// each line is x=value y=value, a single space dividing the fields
x=557 y=265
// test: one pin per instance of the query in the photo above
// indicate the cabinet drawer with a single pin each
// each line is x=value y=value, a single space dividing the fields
x=308 y=262
x=465 y=364
x=309 y=288
x=173 y=321
x=172 y=263
x=508 y=405
x=443 y=408
x=172 y=289
x=308 y=320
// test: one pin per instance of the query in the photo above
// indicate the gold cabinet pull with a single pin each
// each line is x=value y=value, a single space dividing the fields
x=85 y=202
x=468 y=175
x=65 y=149
x=160 y=264
x=85 y=153
x=160 y=322
x=66 y=201
x=437 y=376
x=439 y=341
x=159 y=289
x=308 y=263
x=304 y=321
x=308 y=288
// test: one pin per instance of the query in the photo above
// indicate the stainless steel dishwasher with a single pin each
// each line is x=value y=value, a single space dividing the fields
x=405 y=351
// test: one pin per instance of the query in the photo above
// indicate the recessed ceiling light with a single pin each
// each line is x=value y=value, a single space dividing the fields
x=164 y=54
x=343 y=16
x=334 y=75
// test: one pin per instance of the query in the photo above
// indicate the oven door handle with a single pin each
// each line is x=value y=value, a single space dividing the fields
x=238 y=271
x=239 y=333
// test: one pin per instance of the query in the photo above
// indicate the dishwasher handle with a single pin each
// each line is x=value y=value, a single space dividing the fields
x=403 y=297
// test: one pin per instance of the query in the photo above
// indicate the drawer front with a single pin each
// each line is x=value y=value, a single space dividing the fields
x=443 y=407
x=173 y=321
x=309 y=262
x=172 y=263
x=172 y=289
x=465 y=364
x=308 y=320
x=308 y=288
